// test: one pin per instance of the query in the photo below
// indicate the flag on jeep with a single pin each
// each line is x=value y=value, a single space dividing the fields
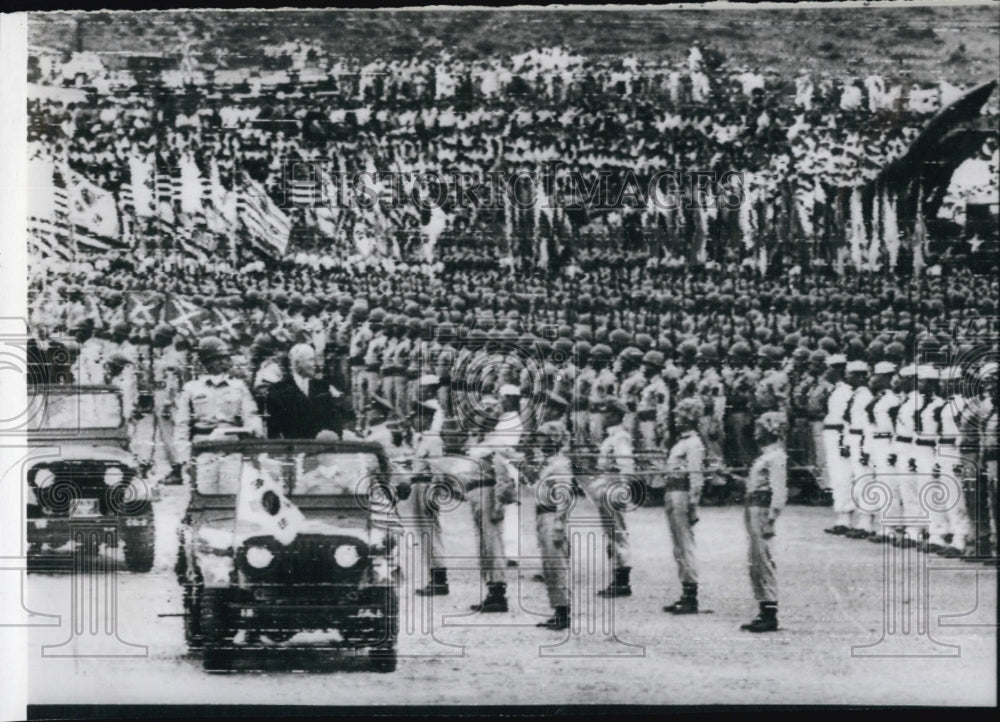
x=263 y=508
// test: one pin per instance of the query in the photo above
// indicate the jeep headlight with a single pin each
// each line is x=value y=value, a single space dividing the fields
x=113 y=476
x=346 y=555
x=259 y=557
x=44 y=479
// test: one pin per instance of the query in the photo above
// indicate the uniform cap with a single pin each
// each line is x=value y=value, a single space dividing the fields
x=885 y=367
x=926 y=371
x=510 y=390
x=857 y=367
x=117 y=358
x=908 y=371
x=836 y=359
x=429 y=380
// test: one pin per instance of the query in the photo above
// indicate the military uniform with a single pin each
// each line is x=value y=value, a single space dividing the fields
x=357 y=354
x=496 y=449
x=169 y=369
x=767 y=491
x=949 y=463
x=614 y=462
x=838 y=464
x=903 y=451
x=856 y=433
x=882 y=411
x=739 y=447
x=208 y=403
x=553 y=499
x=427 y=493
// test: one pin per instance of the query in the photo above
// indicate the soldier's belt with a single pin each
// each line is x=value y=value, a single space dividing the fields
x=372 y=367
x=357 y=361
x=391 y=371
x=413 y=374
x=677 y=484
x=904 y=439
x=925 y=442
x=759 y=497
x=833 y=427
x=857 y=432
x=949 y=440
x=881 y=435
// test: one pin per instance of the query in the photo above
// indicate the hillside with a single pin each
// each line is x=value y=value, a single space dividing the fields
x=922 y=43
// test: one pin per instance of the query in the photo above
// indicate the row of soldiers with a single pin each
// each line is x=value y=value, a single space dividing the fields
x=911 y=454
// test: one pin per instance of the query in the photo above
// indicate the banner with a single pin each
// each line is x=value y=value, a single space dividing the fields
x=92 y=208
x=266 y=225
x=184 y=315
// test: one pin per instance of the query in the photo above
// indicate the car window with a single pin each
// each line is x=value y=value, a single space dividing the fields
x=72 y=412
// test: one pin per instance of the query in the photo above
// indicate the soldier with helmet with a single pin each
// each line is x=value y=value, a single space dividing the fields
x=212 y=402
x=766 y=493
x=615 y=463
x=815 y=410
x=653 y=411
x=602 y=390
x=554 y=497
x=772 y=390
x=684 y=480
x=838 y=463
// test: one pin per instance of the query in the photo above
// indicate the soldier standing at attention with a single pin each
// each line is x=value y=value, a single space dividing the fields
x=614 y=460
x=553 y=500
x=838 y=466
x=685 y=477
x=767 y=491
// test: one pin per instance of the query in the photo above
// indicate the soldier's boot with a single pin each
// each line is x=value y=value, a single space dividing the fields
x=620 y=586
x=766 y=621
x=175 y=476
x=496 y=599
x=437 y=586
x=688 y=603
x=559 y=620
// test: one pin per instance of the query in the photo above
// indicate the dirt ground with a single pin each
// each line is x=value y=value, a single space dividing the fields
x=628 y=652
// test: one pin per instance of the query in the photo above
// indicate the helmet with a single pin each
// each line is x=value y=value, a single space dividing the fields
x=212 y=347
x=582 y=349
x=770 y=352
x=689 y=410
x=688 y=349
x=818 y=356
x=708 y=351
x=740 y=350
x=164 y=330
x=654 y=358
x=601 y=350
x=644 y=341
x=632 y=353
x=801 y=354
x=377 y=315
x=619 y=338
x=774 y=423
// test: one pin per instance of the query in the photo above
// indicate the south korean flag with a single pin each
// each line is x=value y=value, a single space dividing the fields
x=263 y=508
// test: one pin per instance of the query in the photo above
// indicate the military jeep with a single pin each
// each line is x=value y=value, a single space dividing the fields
x=89 y=480
x=290 y=546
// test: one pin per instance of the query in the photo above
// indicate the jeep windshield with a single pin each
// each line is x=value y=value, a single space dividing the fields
x=299 y=474
x=54 y=411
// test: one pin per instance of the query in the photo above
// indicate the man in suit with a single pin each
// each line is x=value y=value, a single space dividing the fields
x=301 y=405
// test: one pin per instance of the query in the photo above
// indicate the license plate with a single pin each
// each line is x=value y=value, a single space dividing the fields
x=86 y=507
